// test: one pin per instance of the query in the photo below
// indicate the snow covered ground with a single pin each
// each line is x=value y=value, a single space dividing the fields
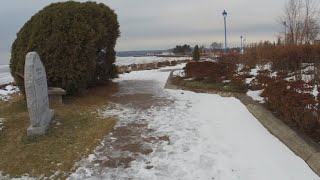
x=211 y=137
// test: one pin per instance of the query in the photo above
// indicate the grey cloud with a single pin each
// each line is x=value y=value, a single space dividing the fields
x=153 y=24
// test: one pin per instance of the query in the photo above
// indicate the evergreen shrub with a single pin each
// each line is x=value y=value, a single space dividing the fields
x=75 y=42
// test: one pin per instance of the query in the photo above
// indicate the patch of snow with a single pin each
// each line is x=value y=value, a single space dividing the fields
x=248 y=80
x=91 y=157
x=208 y=59
x=240 y=67
x=307 y=67
x=2 y=120
x=178 y=73
x=307 y=77
x=256 y=95
x=315 y=91
x=255 y=70
x=304 y=77
x=274 y=74
x=211 y=137
x=7 y=92
x=24 y=177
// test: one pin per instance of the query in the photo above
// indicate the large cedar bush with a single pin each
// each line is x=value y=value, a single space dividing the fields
x=75 y=42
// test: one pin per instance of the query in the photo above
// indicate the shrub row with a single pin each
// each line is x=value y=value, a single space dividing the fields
x=289 y=57
x=216 y=72
x=213 y=71
x=291 y=100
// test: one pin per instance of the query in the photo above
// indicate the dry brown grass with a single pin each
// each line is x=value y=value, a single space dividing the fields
x=75 y=132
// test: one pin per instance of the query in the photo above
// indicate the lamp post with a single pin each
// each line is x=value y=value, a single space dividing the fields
x=285 y=31
x=241 y=49
x=224 y=13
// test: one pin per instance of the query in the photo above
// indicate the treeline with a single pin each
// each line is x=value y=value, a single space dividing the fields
x=182 y=49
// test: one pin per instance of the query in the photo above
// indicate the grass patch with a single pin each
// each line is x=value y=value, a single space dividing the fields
x=207 y=85
x=75 y=132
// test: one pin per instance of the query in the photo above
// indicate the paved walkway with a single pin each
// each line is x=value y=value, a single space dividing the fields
x=173 y=134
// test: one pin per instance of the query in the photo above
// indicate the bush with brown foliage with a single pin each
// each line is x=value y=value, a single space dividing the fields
x=238 y=82
x=233 y=58
x=293 y=102
x=262 y=80
x=163 y=63
x=213 y=71
x=283 y=57
x=217 y=72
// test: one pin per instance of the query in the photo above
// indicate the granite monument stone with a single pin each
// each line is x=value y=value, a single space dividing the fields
x=36 y=88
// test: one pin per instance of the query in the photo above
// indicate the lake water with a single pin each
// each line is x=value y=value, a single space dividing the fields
x=6 y=77
x=145 y=59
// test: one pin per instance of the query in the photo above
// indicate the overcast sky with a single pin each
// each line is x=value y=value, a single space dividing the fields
x=161 y=24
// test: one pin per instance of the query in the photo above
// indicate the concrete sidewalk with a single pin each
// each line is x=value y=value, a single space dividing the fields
x=301 y=145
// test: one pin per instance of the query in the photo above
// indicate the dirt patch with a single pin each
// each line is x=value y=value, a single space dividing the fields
x=136 y=148
x=164 y=138
x=157 y=139
x=121 y=131
x=141 y=101
x=149 y=167
x=116 y=162
x=131 y=139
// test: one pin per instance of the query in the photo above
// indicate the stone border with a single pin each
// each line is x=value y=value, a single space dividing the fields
x=301 y=145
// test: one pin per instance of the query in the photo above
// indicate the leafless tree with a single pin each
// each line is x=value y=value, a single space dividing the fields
x=301 y=19
x=215 y=46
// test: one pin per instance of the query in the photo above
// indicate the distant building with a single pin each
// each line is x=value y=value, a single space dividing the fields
x=316 y=42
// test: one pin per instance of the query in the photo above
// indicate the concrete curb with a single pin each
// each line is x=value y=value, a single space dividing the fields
x=301 y=145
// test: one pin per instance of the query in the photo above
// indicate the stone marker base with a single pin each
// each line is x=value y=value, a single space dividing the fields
x=42 y=129
x=55 y=96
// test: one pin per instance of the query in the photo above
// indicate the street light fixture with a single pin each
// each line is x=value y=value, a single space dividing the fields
x=224 y=13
